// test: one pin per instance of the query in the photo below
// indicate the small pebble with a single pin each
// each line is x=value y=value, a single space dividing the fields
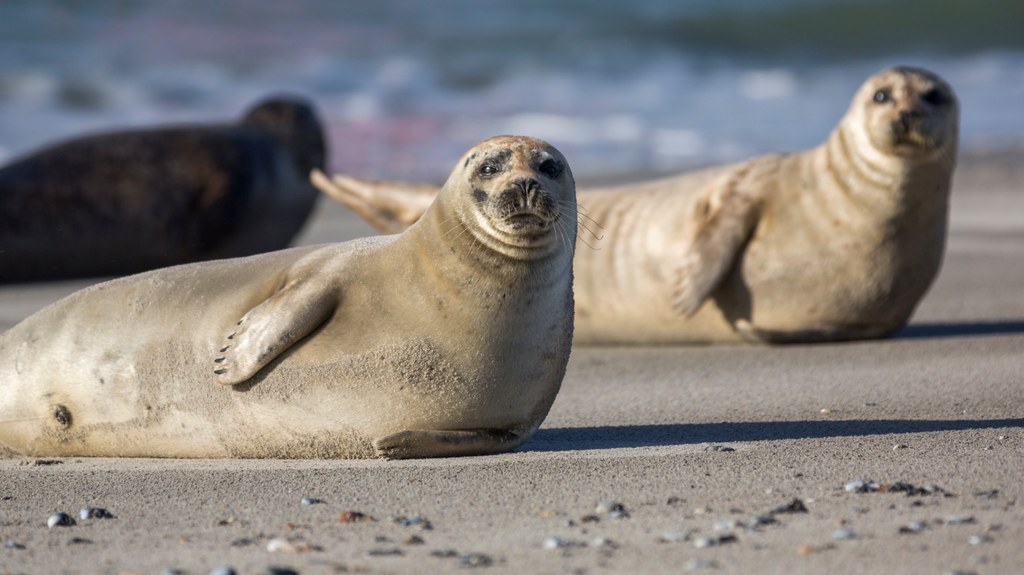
x=60 y=519
x=392 y=552
x=243 y=542
x=171 y=571
x=471 y=560
x=223 y=570
x=413 y=521
x=675 y=536
x=959 y=520
x=913 y=527
x=794 y=506
x=94 y=513
x=414 y=540
x=603 y=543
x=721 y=448
x=979 y=539
x=899 y=446
x=843 y=534
x=353 y=517
x=12 y=544
x=559 y=543
x=282 y=545
x=724 y=525
x=273 y=570
x=824 y=411
x=702 y=542
x=311 y=501
x=694 y=564
x=611 y=509
x=759 y=520
x=861 y=486
x=444 y=553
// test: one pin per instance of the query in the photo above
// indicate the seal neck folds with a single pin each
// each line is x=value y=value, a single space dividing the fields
x=901 y=124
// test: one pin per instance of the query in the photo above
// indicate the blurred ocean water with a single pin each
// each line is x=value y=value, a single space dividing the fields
x=405 y=86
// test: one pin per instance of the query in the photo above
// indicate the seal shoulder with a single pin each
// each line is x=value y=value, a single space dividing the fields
x=721 y=219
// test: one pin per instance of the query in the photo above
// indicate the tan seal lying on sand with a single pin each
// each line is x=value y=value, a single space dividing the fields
x=449 y=339
x=135 y=200
x=838 y=242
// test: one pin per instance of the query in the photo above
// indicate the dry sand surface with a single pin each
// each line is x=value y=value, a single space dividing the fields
x=724 y=459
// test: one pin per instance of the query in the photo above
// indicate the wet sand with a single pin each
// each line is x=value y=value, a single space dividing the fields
x=725 y=459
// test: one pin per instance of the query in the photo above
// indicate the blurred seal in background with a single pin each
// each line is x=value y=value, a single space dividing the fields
x=129 y=201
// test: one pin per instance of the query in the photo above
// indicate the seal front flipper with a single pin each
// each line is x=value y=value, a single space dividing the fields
x=718 y=225
x=390 y=207
x=271 y=327
x=446 y=443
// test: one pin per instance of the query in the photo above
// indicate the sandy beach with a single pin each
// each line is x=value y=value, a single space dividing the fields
x=896 y=456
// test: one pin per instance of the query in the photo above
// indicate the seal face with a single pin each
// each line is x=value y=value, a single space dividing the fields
x=130 y=201
x=449 y=339
x=836 y=242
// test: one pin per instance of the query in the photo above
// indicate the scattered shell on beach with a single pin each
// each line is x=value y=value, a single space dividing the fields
x=559 y=543
x=284 y=545
x=12 y=544
x=724 y=525
x=676 y=536
x=844 y=534
x=694 y=564
x=868 y=486
x=861 y=486
x=979 y=539
x=389 y=552
x=354 y=517
x=412 y=521
x=899 y=446
x=311 y=501
x=611 y=509
x=913 y=527
x=794 y=506
x=471 y=560
x=444 y=553
x=272 y=570
x=960 y=520
x=702 y=542
x=223 y=570
x=413 y=540
x=722 y=448
x=94 y=513
x=60 y=519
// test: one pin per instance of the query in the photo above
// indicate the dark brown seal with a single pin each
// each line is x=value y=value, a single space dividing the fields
x=123 y=202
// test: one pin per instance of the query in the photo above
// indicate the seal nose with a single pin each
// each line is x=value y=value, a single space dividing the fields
x=529 y=190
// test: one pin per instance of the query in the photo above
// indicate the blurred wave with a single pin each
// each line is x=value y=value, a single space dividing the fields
x=405 y=86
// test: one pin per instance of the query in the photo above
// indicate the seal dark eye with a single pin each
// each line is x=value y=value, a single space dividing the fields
x=935 y=97
x=882 y=96
x=487 y=169
x=551 y=168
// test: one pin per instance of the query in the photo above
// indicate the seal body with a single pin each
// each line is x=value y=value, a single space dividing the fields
x=837 y=242
x=449 y=339
x=131 y=201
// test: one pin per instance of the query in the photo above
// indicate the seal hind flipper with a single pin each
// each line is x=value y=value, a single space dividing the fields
x=390 y=207
x=271 y=327
x=446 y=443
x=719 y=223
